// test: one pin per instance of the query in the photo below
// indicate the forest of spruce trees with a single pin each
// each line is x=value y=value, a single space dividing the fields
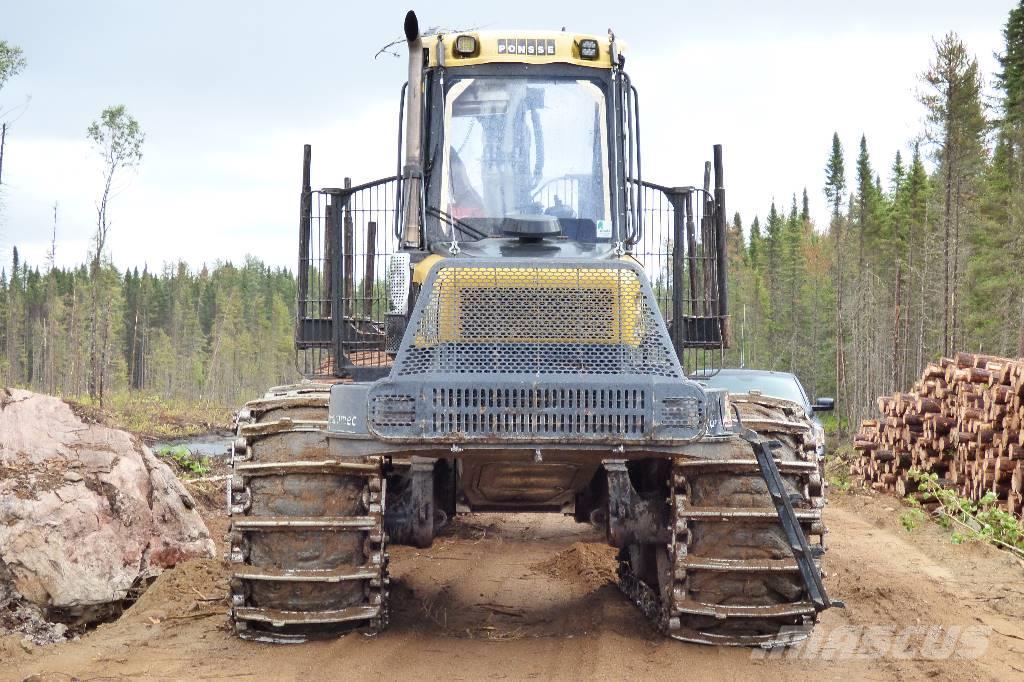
x=924 y=252
x=220 y=335
x=923 y=256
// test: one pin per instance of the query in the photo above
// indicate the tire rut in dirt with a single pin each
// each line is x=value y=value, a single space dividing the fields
x=307 y=538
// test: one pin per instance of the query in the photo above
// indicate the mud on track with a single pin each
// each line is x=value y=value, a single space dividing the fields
x=521 y=597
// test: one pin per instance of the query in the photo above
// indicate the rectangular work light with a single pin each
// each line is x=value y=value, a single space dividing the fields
x=465 y=46
x=588 y=49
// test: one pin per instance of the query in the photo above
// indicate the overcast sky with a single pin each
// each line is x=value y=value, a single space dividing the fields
x=227 y=93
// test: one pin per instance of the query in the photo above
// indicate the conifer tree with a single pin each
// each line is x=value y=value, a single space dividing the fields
x=865 y=199
x=755 y=247
x=835 y=191
x=956 y=129
x=1009 y=157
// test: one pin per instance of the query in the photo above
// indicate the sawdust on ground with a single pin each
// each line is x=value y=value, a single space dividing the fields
x=588 y=564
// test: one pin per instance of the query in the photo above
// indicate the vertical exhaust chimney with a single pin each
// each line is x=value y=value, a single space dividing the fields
x=413 y=170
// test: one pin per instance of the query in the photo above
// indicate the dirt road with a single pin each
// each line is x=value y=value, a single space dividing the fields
x=527 y=597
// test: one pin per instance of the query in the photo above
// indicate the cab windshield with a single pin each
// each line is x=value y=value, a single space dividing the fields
x=520 y=147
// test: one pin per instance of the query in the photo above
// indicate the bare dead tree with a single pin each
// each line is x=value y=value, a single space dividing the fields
x=118 y=139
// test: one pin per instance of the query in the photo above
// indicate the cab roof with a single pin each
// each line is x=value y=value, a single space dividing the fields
x=520 y=47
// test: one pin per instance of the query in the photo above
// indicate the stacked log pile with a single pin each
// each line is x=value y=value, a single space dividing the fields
x=962 y=420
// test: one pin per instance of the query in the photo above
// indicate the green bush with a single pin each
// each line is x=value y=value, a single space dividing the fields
x=835 y=426
x=911 y=519
x=196 y=465
x=981 y=520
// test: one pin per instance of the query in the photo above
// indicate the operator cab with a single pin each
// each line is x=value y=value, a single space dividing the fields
x=518 y=145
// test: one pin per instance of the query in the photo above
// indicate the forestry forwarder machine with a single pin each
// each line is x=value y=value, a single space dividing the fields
x=507 y=324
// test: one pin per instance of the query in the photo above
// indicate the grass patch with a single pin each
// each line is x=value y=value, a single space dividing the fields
x=152 y=416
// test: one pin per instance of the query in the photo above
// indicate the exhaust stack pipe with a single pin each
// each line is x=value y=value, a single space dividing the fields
x=413 y=170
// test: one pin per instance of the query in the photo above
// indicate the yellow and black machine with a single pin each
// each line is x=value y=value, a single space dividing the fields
x=509 y=324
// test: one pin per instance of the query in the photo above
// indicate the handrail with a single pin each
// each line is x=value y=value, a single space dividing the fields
x=341 y=191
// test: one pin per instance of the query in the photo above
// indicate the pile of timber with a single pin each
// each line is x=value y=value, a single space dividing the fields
x=962 y=420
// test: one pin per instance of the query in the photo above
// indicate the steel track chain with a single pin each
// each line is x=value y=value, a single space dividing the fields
x=292 y=625
x=671 y=608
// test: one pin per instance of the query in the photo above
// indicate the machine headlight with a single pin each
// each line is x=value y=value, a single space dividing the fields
x=465 y=46
x=589 y=49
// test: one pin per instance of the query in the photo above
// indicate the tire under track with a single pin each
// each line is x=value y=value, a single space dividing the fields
x=728 y=575
x=307 y=540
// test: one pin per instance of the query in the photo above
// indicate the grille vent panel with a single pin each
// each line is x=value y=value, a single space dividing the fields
x=543 y=412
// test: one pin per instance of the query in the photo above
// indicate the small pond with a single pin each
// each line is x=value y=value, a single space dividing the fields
x=215 y=444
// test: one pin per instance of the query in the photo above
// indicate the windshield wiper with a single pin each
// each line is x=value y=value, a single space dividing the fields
x=456 y=223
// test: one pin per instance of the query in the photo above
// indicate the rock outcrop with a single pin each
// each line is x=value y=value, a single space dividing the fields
x=87 y=513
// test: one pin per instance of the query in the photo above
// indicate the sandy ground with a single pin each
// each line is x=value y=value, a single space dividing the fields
x=527 y=597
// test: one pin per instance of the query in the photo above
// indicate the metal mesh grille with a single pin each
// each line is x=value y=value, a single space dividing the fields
x=678 y=249
x=347 y=237
x=487 y=318
x=393 y=410
x=555 y=411
x=680 y=413
x=516 y=408
x=398 y=283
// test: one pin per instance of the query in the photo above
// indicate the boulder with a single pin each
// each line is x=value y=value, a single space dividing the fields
x=88 y=514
